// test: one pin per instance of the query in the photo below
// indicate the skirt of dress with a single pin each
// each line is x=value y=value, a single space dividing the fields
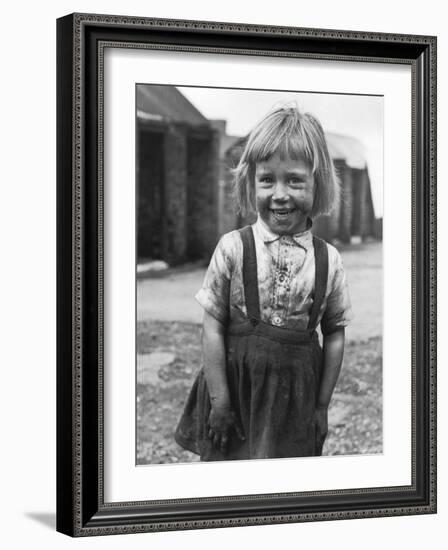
x=273 y=385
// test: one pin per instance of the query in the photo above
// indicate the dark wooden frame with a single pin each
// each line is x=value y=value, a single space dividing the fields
x=81 y=510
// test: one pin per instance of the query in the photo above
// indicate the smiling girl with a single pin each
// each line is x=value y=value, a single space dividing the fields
x=266 y=382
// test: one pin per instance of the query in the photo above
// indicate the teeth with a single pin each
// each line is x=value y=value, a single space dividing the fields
x=281 y=212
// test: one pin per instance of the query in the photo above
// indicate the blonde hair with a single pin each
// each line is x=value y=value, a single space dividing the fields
x=288 y=132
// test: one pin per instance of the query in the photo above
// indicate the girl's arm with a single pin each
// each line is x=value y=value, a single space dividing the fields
x=333 y=349
x=222 y=419
x=333 y=354
x=215 y=360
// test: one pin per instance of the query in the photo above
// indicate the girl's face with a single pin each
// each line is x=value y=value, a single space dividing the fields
x=284 y=190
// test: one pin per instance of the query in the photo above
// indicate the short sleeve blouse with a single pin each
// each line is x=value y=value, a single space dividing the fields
x=285 y=269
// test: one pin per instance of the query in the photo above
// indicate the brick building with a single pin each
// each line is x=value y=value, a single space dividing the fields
x=177 y=177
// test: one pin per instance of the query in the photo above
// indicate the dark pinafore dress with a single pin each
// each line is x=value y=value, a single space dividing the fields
x=273 y=374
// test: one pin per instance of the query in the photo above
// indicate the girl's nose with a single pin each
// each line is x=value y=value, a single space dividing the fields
x=280 y=192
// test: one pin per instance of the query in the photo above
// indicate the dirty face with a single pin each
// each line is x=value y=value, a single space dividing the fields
x=284 y=190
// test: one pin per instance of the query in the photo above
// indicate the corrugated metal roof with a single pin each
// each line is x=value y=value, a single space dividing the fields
x=346 y=148
x=168 y=104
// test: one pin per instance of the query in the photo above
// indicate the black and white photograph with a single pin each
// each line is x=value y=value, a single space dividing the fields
x=259 y=276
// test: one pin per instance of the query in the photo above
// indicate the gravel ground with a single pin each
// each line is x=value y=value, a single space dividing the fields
x=164 y=378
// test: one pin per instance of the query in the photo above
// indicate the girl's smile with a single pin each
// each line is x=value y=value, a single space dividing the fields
x=284 y=190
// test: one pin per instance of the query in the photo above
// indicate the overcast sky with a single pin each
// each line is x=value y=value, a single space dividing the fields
x=357 y=116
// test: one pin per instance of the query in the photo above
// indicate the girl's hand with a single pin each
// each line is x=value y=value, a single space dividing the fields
x=321 y=418
x=221 y=422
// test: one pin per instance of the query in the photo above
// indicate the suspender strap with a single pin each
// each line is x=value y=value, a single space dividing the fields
x=320 y=283
x=250 y=277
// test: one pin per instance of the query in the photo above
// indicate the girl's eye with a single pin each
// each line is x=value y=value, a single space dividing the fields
x=266 y=179
x=296 y=182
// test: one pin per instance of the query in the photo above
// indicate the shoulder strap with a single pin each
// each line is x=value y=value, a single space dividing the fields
x=250 y=277
x=320 y=283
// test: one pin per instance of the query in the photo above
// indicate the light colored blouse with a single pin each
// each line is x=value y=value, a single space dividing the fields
x=285 y=268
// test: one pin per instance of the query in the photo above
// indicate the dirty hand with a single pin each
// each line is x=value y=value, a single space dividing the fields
x=221 y=422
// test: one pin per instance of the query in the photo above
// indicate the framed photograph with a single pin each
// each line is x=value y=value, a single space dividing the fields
x=246 y=274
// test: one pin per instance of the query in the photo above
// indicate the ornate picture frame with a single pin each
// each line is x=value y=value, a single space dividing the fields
x=81 y=506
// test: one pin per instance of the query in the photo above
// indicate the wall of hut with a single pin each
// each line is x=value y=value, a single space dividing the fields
x=177 y=178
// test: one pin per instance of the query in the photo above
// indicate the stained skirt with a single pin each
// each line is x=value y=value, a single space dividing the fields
x=273 y=375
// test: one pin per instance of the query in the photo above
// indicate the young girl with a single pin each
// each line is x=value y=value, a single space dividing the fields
x=266 y=383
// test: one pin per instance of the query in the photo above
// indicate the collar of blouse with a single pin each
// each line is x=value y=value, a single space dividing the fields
x=303 y=239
